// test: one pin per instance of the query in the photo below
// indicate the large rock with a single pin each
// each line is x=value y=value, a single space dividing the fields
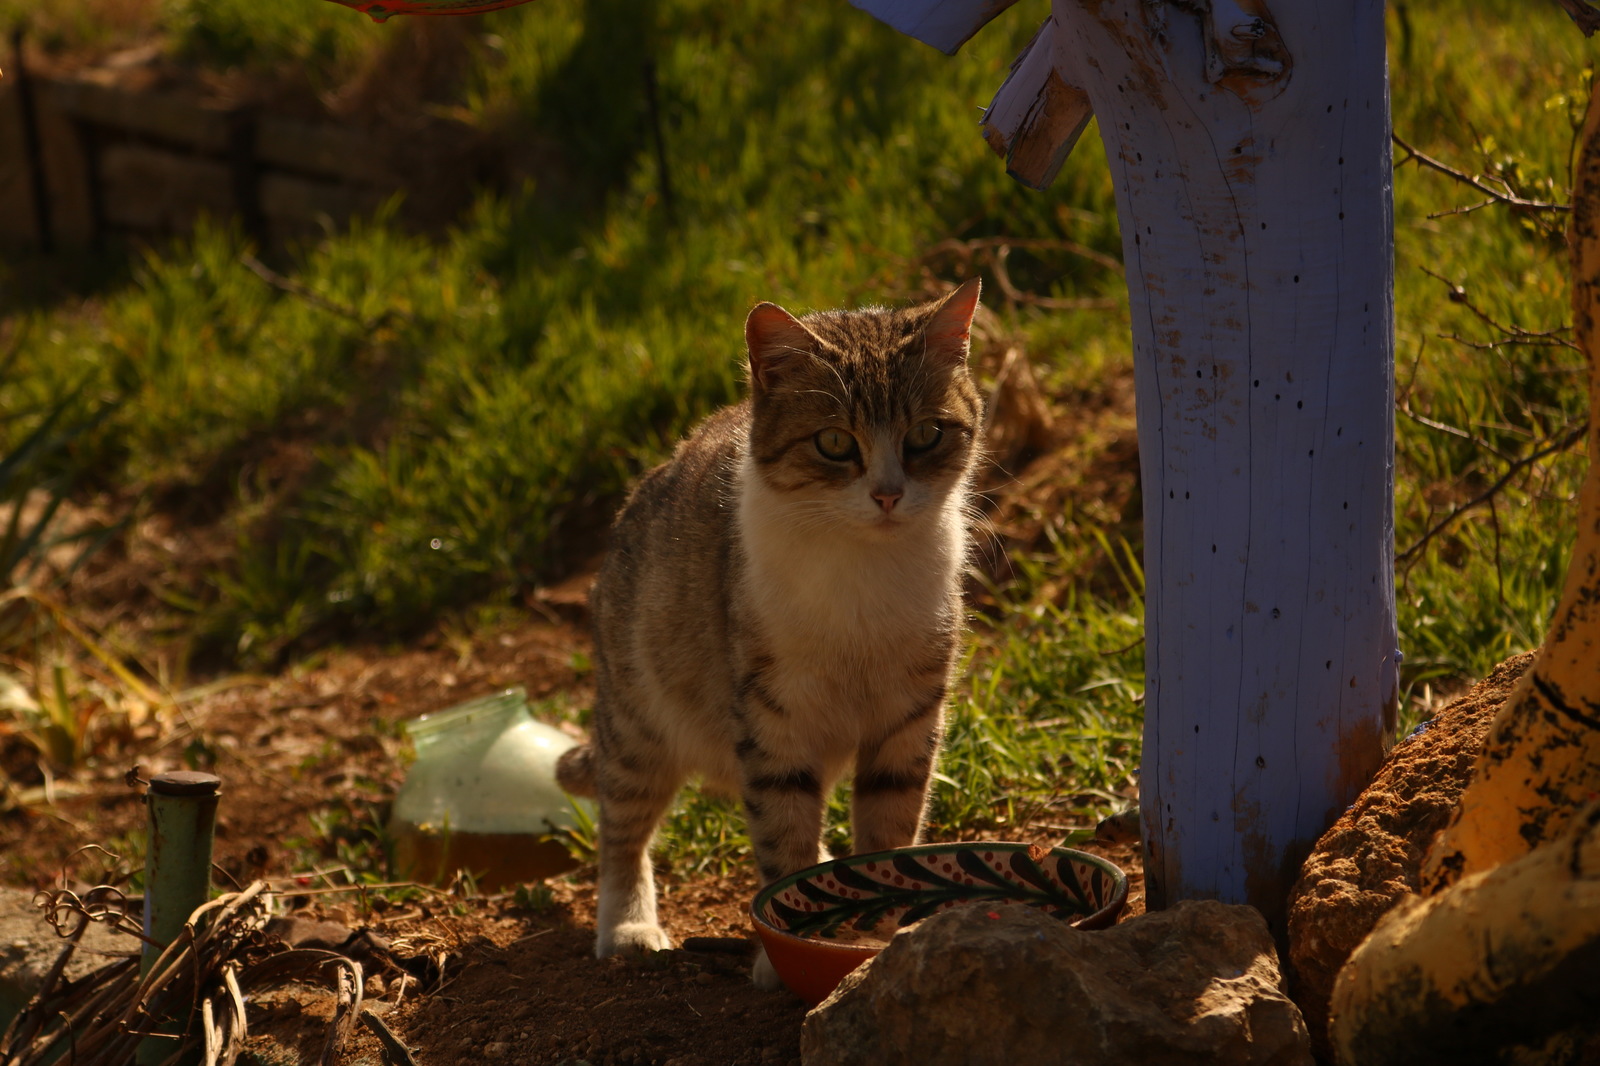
x=1371 y=857
x=1195 y=984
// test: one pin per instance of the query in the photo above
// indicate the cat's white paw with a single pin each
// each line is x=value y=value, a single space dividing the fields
x=763 y=975
x=632 y=938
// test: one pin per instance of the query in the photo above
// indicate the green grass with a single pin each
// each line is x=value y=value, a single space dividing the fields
x=297 y=35
x=1466 y=93
x=434 y=428
x=465 y=402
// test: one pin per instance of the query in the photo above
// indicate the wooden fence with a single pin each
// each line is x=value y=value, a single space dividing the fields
x=83 y=159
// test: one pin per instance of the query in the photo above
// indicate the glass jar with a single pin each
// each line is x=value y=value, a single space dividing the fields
x=482 y=796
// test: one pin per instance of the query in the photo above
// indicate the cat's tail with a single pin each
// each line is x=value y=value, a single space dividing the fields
x=575 y=770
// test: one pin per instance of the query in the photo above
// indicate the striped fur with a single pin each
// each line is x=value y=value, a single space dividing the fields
x=781 y=605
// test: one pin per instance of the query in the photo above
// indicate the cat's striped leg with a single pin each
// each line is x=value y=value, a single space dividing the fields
x=892 y=774
x=783 y=805
x=784 y=809
x=625 y=919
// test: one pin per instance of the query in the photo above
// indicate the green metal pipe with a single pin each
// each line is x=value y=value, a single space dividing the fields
x=177 y=878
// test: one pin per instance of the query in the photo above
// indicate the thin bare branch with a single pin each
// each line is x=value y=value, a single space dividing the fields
x=1411 y=379
x=997 y=266
x=1443 y=427
x=1499 y=561
x=1505 y=342
x=1497 y=195
x=1550 y=447
x=1030 y=244
x=1464 y=210
x=994 y=253
x=1513 y=333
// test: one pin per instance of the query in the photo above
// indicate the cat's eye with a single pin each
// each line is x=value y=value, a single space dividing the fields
x=923 y=436
x=835 y=444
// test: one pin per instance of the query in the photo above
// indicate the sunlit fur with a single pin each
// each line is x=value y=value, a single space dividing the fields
x=771 y=619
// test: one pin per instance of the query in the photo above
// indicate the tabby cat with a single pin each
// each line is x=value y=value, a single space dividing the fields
x=781 y=600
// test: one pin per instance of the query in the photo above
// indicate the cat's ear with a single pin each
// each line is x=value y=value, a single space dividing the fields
x=948 y=335
x=775 y=339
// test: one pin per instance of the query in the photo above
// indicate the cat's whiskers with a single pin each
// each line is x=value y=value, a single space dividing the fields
x=812 y=516
x=991 y=464
x=845 y=395
x=985 y=543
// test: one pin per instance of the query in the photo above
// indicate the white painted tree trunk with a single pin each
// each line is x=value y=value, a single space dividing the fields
x=1256 y=212
x=1250 y=151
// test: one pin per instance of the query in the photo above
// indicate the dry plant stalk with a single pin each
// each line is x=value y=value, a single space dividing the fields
x=201 y=978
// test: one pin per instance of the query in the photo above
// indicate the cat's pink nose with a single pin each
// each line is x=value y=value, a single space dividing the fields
x=887 y=499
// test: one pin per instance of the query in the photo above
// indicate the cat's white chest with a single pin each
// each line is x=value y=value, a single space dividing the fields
x=844 y=602
x=849 y=621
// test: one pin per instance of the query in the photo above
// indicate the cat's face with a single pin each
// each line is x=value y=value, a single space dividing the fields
x=867 y=419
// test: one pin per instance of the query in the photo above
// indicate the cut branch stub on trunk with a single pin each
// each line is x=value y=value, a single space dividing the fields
x=1244 y=52
x=1040 y=111
x=1036 y=118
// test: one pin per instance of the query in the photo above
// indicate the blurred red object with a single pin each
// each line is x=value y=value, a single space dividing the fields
x=382 y=9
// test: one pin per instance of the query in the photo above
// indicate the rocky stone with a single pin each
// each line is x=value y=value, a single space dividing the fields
x=1195 y=984
x=1371 y=857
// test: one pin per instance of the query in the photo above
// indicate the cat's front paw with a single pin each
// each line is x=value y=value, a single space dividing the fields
x=763 y=974
x=632 y=938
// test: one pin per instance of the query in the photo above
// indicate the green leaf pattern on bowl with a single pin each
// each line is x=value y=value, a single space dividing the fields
x=1057 y=885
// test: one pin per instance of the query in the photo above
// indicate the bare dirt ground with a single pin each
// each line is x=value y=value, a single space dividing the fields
x=310 y=758
x=497 y=981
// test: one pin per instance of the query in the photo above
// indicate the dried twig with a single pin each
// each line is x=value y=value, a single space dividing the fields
x=1029 y=244
x=101 y=1018
x=1503 y=196
x=1508 y=334
x=1504 y=342
x=395 y=1052
x=1464 y=209
x=1547 y=448
x=996 y=251
x=347 y=1007
x=1423 y=420
x=1512 y=334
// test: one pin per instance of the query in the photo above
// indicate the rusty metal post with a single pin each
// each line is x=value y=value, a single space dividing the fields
x=183 y=815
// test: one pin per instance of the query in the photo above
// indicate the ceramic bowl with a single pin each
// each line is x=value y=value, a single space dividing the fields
x=820 y=923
